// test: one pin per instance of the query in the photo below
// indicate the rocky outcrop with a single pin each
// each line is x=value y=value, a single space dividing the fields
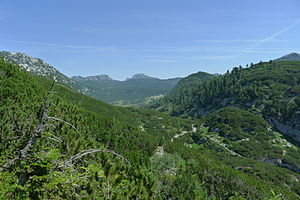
x=140 y=76
x=36 y=66
x=281 y=163
x=287 y=128
x=290 y=57
x=101 y=77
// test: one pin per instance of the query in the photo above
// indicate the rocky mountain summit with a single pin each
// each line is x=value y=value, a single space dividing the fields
x=290 y=57
x=140 y=76
x=101 y=77
x=36 y=66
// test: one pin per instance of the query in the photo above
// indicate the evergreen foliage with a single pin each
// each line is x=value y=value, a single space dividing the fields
x=267 y=88
x=81 y=148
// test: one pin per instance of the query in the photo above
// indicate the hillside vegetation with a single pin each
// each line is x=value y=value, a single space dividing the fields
x=136 y=91
x=270 y=89
x=59 y=144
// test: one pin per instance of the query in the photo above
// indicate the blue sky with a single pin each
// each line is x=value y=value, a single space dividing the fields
x=161 y=38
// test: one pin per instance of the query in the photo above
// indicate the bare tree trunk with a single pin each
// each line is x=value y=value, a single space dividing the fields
x=24 y=176
x=108 y=188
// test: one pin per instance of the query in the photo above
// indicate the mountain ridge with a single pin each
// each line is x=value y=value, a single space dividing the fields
x=135 y=91
x=290 y=57
x=100 y=77
x=270 y=89
x=159 y=148
x=105 y=77
x=36 y=66
x=140 y=76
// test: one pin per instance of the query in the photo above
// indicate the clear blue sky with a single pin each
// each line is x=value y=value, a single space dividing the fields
x=161 y=38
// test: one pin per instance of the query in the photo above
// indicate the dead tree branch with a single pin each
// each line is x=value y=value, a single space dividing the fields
x=38 y=130
x=118 y=155
x=60 y=120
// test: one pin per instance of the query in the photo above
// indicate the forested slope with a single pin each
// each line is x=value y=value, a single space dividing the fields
x=270 y=89
x=58 y=144
x=136 y=91
x=131 y=92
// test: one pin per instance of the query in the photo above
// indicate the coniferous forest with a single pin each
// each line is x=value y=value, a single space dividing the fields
x=57 y=143
x=149 y=100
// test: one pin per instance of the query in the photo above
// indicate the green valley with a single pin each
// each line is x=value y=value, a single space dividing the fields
x=136 y=91
x=60 y=144
x=150 y=100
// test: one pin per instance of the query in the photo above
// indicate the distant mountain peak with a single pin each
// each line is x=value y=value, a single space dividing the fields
x=35 y=66
x=290 y=57
x=101 y=77
x=140 y=76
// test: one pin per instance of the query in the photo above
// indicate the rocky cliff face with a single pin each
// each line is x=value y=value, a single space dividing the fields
x=36 y=66
x=281 y=163
x=290 y=57
x=288 y=128
x=140 y=76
